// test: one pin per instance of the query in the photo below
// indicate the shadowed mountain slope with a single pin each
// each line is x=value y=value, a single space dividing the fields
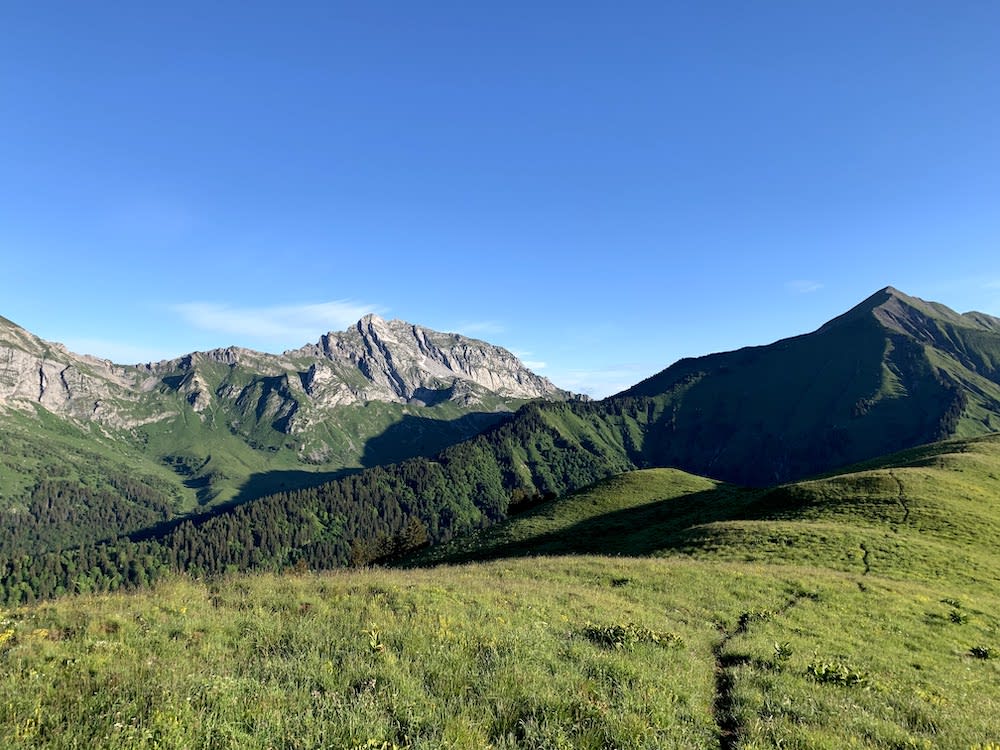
x=921 y=514
x=891 y=373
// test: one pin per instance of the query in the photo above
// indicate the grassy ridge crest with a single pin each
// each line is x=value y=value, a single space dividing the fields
x=913 y=514
x=655 y=609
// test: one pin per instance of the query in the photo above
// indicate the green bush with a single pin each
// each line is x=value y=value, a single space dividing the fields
x=836 y=673
x=628 y=636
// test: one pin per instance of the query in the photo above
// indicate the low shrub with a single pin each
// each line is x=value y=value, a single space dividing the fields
x=628 y=635
x=836 y=673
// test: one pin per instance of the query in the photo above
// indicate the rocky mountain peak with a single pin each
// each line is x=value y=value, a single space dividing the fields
x=374 y=360
x=403 y=362
x=370 y=319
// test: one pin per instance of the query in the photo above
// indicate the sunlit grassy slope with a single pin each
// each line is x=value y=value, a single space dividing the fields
x=925 y=513
x=655 y=610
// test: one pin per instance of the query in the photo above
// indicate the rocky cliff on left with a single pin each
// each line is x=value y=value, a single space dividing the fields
x=225 y=419
x=74 y=386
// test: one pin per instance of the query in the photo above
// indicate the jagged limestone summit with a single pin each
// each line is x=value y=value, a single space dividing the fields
x=379 y=391
x=375 y=360
x=892 y=373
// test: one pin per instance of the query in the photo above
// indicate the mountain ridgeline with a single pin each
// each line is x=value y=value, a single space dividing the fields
x=232 y=424
x=889 y=374
x=375 y=360
x=892 y=373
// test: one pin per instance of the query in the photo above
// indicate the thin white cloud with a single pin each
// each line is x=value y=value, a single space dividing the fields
x=525 y=357
x=284 y=323
x=534 y=364
x=119 y=352
x=803 y=286
x=481 y=327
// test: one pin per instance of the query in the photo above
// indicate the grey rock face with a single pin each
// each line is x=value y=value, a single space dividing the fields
x=403 y=362
x=375 y=360
x=72 y=385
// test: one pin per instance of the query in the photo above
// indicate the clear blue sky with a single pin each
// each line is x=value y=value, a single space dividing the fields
x=601 y=187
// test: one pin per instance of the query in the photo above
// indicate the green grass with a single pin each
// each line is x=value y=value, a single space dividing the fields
x=654 y=610
x=922 y=514
x=505 y=655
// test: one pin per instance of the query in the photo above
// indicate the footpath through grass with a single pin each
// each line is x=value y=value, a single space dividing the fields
x=581 y=652
x=656 y=610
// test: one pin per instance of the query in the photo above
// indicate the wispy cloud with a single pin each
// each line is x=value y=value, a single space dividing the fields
x=284 y=323
x=119 y=352
x=596 y=383
x=534 y=364
x=481 y=327
x=527 y=361
x=803 y=286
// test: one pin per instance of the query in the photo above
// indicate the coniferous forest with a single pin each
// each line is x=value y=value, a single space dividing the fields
x=359 y=519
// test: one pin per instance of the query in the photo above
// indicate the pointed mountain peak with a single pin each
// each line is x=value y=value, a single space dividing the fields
x=887 y=295
x=375 y=326
x=902 y=313
x=917 y=317
x=405 y=362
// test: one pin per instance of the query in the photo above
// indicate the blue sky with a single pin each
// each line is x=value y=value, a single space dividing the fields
x=602 y=188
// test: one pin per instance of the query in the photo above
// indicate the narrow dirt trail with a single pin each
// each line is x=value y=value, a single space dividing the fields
x=901 y=499
x=724 y=702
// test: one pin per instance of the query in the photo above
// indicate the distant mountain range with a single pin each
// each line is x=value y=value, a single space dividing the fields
x=376 y=360
x=892 y=373
x=224 y=419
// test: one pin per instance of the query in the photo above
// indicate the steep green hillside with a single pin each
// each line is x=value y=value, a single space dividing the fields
x=544 y=452
x=892 y=373
x=359 y=518
x=220 y=464
x=923 y=513
x=62 y=486
x=656 y=609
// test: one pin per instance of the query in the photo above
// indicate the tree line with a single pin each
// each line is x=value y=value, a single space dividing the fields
x=543 y=451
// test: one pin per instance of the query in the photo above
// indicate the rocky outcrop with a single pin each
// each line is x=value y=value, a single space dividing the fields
x=78 y=386
x=403 y=362
x=375 y=360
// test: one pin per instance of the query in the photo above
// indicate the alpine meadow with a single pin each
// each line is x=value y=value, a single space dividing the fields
x=499 y=376
x=696 y=562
